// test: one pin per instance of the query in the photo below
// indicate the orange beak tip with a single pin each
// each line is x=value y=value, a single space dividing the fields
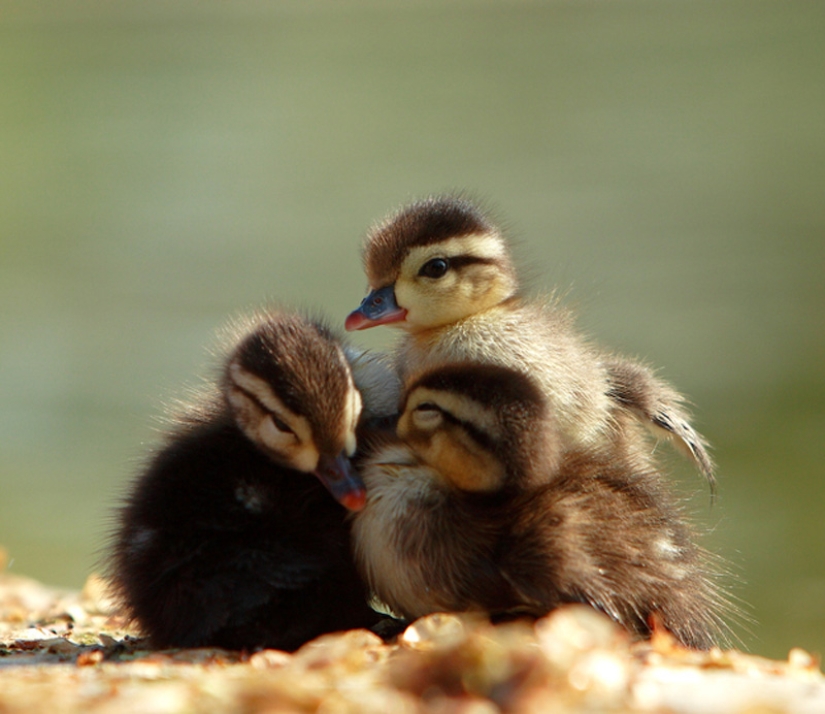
x=355 y=500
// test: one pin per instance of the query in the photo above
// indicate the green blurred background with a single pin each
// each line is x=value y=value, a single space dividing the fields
x=164 y=165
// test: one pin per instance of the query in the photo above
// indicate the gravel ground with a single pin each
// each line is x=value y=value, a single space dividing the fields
x=73 y=652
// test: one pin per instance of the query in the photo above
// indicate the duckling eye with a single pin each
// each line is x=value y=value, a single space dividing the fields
x=280 y=424
x=435 y=268
x=427 y=416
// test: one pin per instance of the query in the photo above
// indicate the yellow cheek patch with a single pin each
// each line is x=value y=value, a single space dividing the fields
x=459 y=293
x=465 y=468
x=352 y=412
x=447 y=447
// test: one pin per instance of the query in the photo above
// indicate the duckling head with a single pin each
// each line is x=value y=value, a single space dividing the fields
x=432 y=263
x=290 y=390
x=481 y=428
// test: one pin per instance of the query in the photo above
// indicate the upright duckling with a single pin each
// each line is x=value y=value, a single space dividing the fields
x=235 y=535
x=460 y=515
x=442 y=271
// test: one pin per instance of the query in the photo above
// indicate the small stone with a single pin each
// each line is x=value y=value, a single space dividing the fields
x=800 y=659
x=570 y=632
x=439 y=630
x=270 y=659
x=602 y=676
x=351 y=650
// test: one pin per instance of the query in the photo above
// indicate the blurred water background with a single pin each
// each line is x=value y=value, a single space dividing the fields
x=166 y=164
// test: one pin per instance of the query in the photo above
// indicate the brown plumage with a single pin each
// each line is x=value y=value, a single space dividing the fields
x=462 y=515
x=442 y=271
x=232 y=536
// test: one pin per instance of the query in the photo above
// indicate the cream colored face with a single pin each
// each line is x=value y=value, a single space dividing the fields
x=352 y=413
x=264 y=418
x=477 y=276
x=438 y=427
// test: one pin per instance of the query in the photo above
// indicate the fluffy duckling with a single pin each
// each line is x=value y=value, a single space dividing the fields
x=460 y=516
x=442 y=271
x=235 y=534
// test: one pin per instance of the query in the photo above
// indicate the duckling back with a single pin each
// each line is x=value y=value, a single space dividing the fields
x=616 y=539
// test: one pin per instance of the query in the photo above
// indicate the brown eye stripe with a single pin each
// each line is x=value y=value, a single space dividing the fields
x=480 y=437
x=460 y=261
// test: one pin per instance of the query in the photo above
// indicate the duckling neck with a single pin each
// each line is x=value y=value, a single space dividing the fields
x=453 y=341
x=425 y=338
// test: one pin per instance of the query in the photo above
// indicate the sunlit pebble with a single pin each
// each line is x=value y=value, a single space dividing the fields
x=570 y=632
x=336 y=647
x=647 y=692
x=601 y=673
x=800 y=659
x=270 y=659
x=436 y=631
x=352 y=650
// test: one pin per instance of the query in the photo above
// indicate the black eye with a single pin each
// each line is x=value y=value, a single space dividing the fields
x=435 y=268
x=427 y=407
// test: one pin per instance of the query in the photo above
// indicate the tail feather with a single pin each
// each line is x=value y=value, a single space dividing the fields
x=660 y=408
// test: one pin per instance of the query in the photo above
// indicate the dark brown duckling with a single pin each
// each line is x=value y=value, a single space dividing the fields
x=461 y=515
x=235 y=535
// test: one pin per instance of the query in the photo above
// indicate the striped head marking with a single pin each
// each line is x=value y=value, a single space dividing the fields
x=434 y=262
x=476 y=425
x=290 y=389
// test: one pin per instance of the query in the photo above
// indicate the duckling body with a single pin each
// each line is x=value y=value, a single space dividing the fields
x=441 y=270
x=461 y=516
x=617 y=541
x=426 y=548
x=536 y=338
x=235 y=534
x=221 y=547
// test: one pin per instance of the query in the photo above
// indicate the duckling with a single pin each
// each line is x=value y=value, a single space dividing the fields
x=460 y=516
x=235 y=534
x=442 y=271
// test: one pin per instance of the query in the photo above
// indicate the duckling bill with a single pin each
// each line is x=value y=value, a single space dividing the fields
x=235 y=534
